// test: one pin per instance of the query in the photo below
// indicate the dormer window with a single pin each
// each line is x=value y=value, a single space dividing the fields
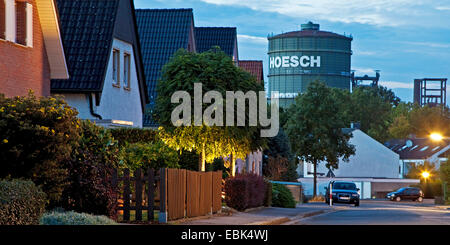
x=116 y=68
x=16 y=22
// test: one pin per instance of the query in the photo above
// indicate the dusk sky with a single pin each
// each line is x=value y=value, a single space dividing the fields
x=405 y=39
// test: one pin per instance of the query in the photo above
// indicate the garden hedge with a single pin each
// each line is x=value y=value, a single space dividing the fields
x=21 y=202
x=282 y=196
x=245 y=191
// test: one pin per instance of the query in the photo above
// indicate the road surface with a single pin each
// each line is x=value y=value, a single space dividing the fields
x=380 y=213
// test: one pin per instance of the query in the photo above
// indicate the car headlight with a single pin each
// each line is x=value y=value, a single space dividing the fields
x=355 y=195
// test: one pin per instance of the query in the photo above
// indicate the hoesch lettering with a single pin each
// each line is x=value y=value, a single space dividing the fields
x=294 y=61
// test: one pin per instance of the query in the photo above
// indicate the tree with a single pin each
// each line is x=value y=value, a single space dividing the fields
x=419 y=121
x=215 y=71
x=372 y=107
x=315 y=129
x=279 y=161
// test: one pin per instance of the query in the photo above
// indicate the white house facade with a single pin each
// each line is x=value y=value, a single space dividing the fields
x=374 y=168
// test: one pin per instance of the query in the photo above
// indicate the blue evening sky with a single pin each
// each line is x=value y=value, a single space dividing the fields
x=405 y=39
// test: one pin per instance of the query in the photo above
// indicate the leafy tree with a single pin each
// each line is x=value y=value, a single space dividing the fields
x=215 y=71
x=419 y=121
x=315 y=128
x=372 y=107
x=279 y=162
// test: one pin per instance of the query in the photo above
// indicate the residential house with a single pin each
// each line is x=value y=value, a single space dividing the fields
x=162 y=32
x=31 y=50
x=415 y=151
x=107 y=81
x=374 y=169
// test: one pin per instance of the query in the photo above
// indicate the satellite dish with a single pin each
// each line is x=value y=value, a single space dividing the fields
x=409 y=143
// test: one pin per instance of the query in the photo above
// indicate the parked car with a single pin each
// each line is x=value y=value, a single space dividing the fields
x=406 y=193
x=342 y=192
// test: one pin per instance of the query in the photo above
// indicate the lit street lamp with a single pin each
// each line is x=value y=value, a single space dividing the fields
x=425 y=175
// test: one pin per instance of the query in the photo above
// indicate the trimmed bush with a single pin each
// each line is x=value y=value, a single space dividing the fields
x=36 y=135
x=149 y=155
x=245 y=191
x=90 y=171
x=282 y=196
x=73 y=218
x=134 y=135
x=21 y=202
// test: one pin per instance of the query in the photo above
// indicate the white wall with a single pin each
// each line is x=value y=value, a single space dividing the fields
x=371 y=159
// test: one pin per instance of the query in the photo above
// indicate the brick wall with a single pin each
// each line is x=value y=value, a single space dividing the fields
x=23 y=68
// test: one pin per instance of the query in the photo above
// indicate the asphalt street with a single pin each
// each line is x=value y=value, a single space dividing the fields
x=380 y=213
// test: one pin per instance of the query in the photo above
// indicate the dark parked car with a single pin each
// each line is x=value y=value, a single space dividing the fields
x=342 y=192
x=406 y=193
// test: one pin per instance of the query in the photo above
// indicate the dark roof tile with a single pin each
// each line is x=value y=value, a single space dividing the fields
x=161 y=32
x=87 y=28
x=208 y=37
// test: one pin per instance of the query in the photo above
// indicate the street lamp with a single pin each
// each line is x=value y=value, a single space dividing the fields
x=425 y=175
x=436 y=136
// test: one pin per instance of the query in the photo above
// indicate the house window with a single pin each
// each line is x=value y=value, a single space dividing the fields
x=116 y=67
x=2 y=19
x=16 y=22
x=21 y=23
x=126 y=70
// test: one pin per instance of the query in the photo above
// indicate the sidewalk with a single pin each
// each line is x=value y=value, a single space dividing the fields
x=260 y=216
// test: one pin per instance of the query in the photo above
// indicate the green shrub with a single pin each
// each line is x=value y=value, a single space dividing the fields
x=21 y=202
x=134 y=135
x=73 y=218
x=36 y=135
x=149 y=155
x=282 y=196
x=90 y=170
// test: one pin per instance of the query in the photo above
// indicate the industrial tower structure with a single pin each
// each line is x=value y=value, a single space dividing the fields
x=430 y=91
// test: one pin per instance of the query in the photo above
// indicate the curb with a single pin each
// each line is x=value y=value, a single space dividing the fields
x=287 y=220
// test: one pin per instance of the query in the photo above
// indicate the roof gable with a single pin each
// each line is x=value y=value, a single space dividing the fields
x=224 y=37
x=87 y=28
x=162 y=32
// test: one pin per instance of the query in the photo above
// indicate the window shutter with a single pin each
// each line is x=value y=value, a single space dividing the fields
x=29 y=24
x=10 y=20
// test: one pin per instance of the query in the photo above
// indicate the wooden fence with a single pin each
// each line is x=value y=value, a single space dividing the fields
x=180 y=193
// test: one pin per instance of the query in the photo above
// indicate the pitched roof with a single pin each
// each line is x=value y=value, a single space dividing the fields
x=418 y=148
x=255 y=67
x=161 y=32
x=87 y=28
x=208 y=37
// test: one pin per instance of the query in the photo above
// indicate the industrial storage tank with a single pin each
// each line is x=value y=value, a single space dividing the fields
x=298 y=58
